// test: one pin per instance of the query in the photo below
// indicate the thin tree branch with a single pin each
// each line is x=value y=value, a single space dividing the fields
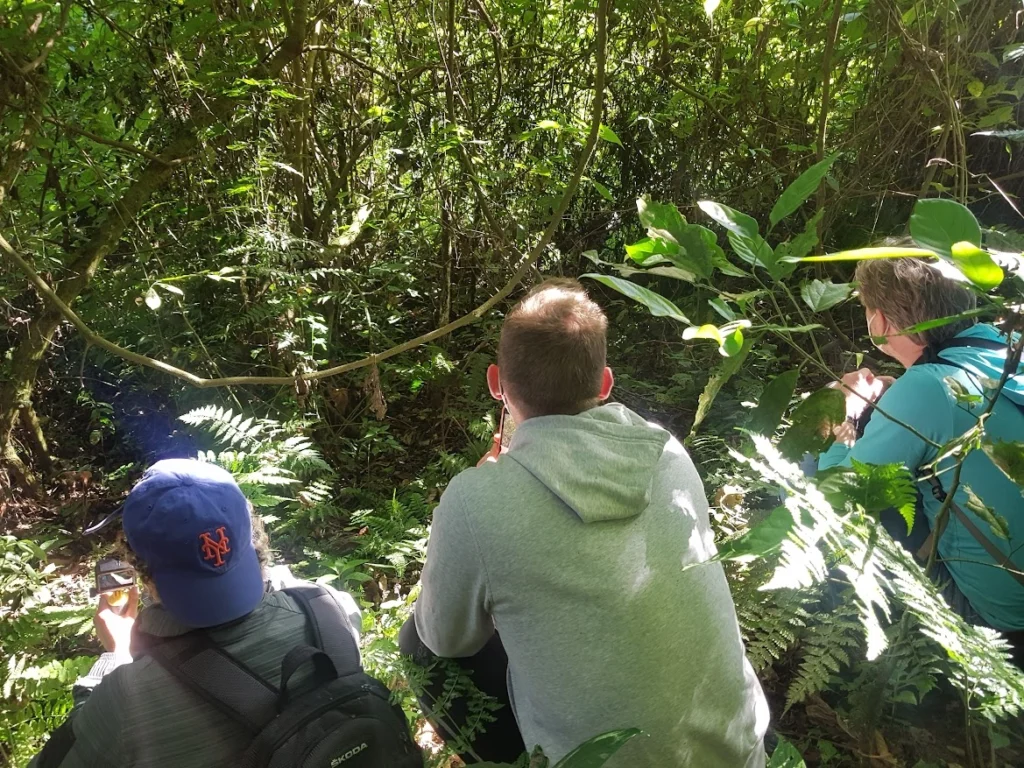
x=125 y=147
x=93 y=338
x=352 y=59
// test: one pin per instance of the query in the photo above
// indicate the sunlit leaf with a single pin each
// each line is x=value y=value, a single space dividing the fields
x=1013 y=135
x=761 y=539
x=171 y=288
x=977 y=265
x=688 y=246
x=153 y=300
x=872 y=487
x=880 y=252
x=710 y=6
x=658 y=305
x=803 y=187
x=602 y=190
x=820 y=295
x=703 y=332
x=772 y=405
x=786 y=756
x=608 y=134
x=1008 y=456
x=743 y=235
x=937 y=224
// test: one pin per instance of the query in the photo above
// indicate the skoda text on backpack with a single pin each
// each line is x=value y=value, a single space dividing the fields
x=340 y=716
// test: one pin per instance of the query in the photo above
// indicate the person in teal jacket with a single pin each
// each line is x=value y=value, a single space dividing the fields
x=897 y=294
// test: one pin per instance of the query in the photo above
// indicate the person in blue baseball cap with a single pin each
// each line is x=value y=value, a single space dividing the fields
x=203 y=559
x=190 y=526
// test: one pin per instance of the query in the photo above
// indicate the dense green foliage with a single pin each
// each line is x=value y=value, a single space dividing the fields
x=283 y=188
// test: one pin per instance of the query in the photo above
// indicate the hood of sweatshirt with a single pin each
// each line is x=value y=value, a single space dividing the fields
x=987 y=362
x=601 y=463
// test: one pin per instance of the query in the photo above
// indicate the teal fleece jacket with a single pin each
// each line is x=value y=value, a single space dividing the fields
x=574 y=546
x=922 y=399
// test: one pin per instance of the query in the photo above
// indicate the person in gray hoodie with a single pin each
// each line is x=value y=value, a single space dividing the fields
x=571 y=551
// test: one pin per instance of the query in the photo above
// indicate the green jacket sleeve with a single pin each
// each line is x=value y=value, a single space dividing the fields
x=451 y=614
x=916 y=399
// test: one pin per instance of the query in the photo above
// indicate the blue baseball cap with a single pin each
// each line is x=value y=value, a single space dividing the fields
x=189 y=523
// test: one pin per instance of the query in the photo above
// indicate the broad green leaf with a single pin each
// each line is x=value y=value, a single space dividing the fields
x=1009 y=457
x=743 y=235
x=820 y=295
x=726 y=267
x=728 y=368
x=786 y=756
x=772 y=405
x=549 y=125
x=658 y=305
x=733 y=343
x=674 y=272
x=977 y=265
x=602 y=190
x=803 y=187
x=936 y=224
x=993 y=519
x=722 y=308
x=729 y=337
x=812 y=423
x=760 y=540
x=153 y=300
x=595 y=752
x=791 y=251
x=881 y=252
x=650 y=246
x=662 y=220
x=688 y=246
x=608 y=134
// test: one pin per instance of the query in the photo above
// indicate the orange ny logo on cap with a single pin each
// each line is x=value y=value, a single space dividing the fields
x=214 y=549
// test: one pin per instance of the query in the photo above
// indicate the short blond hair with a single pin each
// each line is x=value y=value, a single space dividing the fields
x=911 y=291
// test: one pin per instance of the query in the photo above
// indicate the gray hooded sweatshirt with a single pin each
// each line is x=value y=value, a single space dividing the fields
x=573 y=546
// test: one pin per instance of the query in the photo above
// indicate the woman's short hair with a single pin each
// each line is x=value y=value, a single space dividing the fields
x=909 y=291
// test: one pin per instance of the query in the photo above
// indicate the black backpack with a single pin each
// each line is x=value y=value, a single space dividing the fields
x=341 y=717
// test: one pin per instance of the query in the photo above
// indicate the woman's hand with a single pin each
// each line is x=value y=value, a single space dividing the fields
x=114 y=628
x=862 y=388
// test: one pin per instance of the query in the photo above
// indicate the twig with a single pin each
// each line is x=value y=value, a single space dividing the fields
x=116 y=144
x=527 y=263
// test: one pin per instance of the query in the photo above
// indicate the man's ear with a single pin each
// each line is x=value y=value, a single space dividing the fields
x=494 y=381
x=607 y=382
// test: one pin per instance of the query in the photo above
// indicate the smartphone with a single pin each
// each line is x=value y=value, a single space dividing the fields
x=506 y=427
x=113 y=575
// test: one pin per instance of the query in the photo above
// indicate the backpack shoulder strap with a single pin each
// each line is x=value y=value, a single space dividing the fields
x=1000 y=557
x=217 y=677
x=331 y=631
